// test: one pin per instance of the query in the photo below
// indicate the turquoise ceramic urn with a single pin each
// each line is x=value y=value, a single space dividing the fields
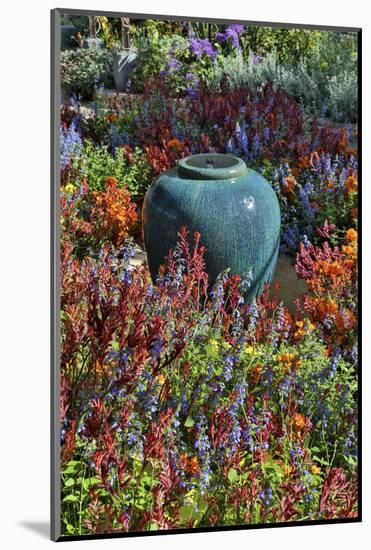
x=233 y=207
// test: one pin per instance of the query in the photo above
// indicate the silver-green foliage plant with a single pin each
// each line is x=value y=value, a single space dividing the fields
x=343 y=97
x=324 y=81
x=253 y=71
x=83 y=70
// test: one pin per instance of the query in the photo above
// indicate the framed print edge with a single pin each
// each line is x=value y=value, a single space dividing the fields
x=55 y=522
x=359 y=258
x=55 y=487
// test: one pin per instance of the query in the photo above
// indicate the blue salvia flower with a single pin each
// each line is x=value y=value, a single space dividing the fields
x=231 y=148
x=70 y=143
x=253 y=317
x=202 y=445
x=242 y=138
x=217 y=292
x=228 y=365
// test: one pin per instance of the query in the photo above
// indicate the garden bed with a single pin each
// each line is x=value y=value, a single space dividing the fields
x=184 y=404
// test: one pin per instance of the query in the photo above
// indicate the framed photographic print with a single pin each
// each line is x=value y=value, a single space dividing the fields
x=205 y=306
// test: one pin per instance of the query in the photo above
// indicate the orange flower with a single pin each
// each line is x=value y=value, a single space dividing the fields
x=289 y=185
x=302 y=328
x=344 y=139
x=255 y=373
x=111 y=118
x=287 y=468
x=345 y=320
x=299 y=420
x=351 y=184
x=304 y=162
x=115 y=213
x=349 y=250
x=353 y=212
x=331 y=269
x=103 y=368
x=175 y=143
x=111 y=181
x=351 y=235
x=289 y=361
x=189 y=464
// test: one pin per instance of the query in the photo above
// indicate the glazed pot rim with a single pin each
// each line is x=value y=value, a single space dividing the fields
x=211 y=166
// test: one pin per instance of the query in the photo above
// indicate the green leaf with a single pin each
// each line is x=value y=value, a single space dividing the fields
x=189 y=422
x=69 y=482
x=87 y=483
x=211 y=350
x=351 y=460
x=186 y=512
x=233 y=475
x=322 y=461
x=71 y=467
x=71 y=498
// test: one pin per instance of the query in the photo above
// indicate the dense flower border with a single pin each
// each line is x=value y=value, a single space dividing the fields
x=183 y=406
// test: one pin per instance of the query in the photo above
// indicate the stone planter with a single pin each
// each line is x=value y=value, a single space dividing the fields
x=91 y=42
x=234 y=208
x=68 y=31
x=123 y=65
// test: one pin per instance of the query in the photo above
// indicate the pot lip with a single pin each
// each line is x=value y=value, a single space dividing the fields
x=219 y=167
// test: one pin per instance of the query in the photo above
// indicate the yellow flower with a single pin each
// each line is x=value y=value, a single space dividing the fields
x=315 y=470
x=226 y=345
x=249 y=349
x=214 y=343
x=302 y=327
x=160 y=379
x=69 y=188
x=324 y=65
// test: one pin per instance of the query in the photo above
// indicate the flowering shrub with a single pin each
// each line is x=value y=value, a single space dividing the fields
x=114 y=213
x=308 y=169
x=320 y=188
x=92 y=219
x=331 y=274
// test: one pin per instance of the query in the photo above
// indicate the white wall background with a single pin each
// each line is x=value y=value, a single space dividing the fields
x=24 y=273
